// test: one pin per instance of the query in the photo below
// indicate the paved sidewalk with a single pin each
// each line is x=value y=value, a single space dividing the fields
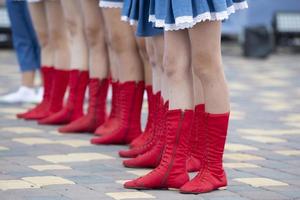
x=262 y=156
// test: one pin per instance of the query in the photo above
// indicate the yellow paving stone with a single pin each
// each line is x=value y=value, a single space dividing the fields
x=240 y=165
x=9 y=116
x=74 y=157
x=289 y=152
x=237 y=115
x=75 y=143
x=294 y=124
x=260 y=182
x=238 y=86
x=291 y=118
x=264 y=139
x=49 y=167
x=239 y=147
x=2 y=148
x=129 y=195
x=278 y=107
x=47 y=180
x=15 y=184
x=20 y=130
x=12 y=110
x=263 y=132
x=242 y=157
x=271 y=94
x=122 y=181
x=33 y=140
x=139 y=172
x=55 y=132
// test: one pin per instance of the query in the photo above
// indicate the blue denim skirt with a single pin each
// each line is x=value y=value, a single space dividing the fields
x=111 y=3
x=182 y=14
x=136 y=12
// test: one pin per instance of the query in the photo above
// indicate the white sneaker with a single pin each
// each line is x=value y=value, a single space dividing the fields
x=40 y=94
x=22 y=95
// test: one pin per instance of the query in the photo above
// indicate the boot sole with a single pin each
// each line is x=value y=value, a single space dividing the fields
x=185 y=192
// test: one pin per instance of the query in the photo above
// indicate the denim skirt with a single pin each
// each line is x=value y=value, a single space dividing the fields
x=182 y=14
x=136 y=12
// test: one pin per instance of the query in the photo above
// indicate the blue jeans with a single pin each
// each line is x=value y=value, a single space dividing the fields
x=24 y=38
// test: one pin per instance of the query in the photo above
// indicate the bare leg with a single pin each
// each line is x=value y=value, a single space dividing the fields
x=207 y=64
x=198 y=90
x=123 y=46
x=75 y=27
x=39 y=19
x=177 y=70
x=95 y=36
x=157 y=66
x=58 y=34
x=141 y=42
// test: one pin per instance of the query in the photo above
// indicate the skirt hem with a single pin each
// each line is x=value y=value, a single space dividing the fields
x=184 y=22
x=109 y=4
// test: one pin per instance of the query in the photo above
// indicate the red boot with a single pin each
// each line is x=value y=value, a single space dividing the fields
x=58 y=89
x=212 y=175
x=153 y=138
x=171 y=172
x=152 y=157
x=74 y=107
x=96 y=111
x=47 y=74
x=197 y=142
x=131 y=99
x=112 y=122
x=148 y=132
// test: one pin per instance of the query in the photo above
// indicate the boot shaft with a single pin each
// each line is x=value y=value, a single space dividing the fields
x=48 y=76
x=198 y=139
x=115 y=99
x=58 y=90
x=97 y=96
x=216 y=133
x=178 y=130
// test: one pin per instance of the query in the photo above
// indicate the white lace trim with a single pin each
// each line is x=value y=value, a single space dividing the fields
x=132 y=22
x=184 y=22
x=109 y=4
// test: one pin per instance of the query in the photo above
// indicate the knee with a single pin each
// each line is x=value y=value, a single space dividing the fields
x=43 y=38
x=118 y=43
x=73 y=26
x=176 y=68
x=142 y=49
x=56 y=38
x=94 y=36
x=206 y=64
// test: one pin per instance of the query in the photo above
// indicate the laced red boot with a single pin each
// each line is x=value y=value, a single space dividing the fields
x=153 y=138
x=74 y=106
x=212 y=175
x=58 y=89
x=96 y=110
x=131 y=99
x=197 y=142
x=171 y=172
x=113 y=120
x=47 y=75
x=148 y=132
x=152 y=157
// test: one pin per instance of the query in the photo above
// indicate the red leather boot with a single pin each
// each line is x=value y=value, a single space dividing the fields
x=59 y=84
x=47 y=75
x=171 y=172
x=74 y=107
x=212 y=175
x=131 y=99
x=113 y=121
x=96 y=110
x=148 y=132
x=197 y=142
x=153 y=138
x=152 y=157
